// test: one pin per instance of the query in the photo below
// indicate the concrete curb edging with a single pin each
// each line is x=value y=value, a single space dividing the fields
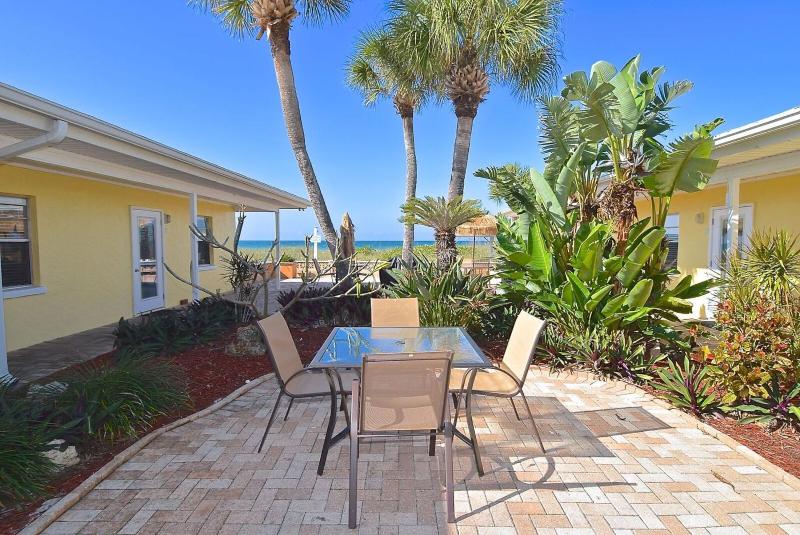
x=70 y=499
x=761 y=462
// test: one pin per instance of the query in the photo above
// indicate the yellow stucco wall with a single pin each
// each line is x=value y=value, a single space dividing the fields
x=776 y=206
x=81 y=231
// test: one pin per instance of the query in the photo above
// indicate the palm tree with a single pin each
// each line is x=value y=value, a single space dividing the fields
x=378 y=71
x=471 y=45
x=443 y=216
x=274 y=18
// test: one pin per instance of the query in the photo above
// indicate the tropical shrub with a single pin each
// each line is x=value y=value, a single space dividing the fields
x=116 y=400
x=339 y=310
x=758 y=318
x=450 y=297
x=167 y=332
x=24 y=437
x=575 y=251
x=688 y=386
x=779 y=407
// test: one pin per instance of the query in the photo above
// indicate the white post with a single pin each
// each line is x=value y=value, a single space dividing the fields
x=315 y=239
x=3 y=354
x=733 y=218
x=193 y=241
x=278 y=248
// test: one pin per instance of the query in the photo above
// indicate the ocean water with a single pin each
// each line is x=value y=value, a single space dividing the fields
x=374 y=244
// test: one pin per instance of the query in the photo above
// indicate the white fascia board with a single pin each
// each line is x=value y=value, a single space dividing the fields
x=30 y=110
x=72 y=164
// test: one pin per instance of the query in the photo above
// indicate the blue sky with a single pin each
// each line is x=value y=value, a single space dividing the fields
x=170 y=72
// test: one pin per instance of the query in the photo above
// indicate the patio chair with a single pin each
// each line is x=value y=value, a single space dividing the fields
x=505 y=380
x=402 y=394
x=402 y=312
x=295 y=381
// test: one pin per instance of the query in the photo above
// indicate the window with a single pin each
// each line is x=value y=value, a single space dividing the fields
x=15 y=242
x=203 y=248
x=672 y=226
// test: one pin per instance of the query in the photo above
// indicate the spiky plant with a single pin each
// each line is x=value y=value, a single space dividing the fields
x=443 y=216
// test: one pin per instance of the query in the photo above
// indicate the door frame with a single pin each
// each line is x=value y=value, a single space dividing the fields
x=746 y=232
x=139 y=306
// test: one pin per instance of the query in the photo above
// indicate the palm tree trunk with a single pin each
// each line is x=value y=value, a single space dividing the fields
x=411 y=181
x=446 y=252
x=284 y=74
x=460 y=155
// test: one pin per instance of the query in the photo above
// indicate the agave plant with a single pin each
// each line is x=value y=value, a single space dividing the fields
x=780 y=407
x=443 y=216
x=688 y=386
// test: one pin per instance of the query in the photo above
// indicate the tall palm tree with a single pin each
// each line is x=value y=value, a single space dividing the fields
x=475 y=44
x=378 y=71
x=443 y=216
x=274 y=18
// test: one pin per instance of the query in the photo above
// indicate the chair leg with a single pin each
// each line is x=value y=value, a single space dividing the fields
x=291 y=402
x=432 y=444
x=331 y=425
x=352 y=506
x=448 y=467
x=514 y=405
x=271 y=420
x=533 y=422
x=472 y=436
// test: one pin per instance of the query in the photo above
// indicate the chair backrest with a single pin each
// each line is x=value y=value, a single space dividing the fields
x=404 y=391
x=522 y=344
x=281 y=350
x=402 y=312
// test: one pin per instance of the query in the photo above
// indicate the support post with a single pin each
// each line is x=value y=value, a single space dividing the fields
x=732 y=198
x=278 y=249
x=3 y=354
x=193 y=244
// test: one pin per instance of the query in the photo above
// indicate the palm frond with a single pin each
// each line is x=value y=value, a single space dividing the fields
x=440 y=214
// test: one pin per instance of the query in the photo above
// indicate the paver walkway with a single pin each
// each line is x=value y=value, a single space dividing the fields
x=617 y=463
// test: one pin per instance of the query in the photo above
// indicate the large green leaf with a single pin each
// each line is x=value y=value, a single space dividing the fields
x=565 y=183
x=635 y=259
x=588 y=259
x=687 y=166
x=598 y=296
x=639 y=294
x=548 y=198
x=625 y=91
x=541 y=257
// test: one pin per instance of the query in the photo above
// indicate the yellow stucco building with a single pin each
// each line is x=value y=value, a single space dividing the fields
x=90 y=212
x=756 y=187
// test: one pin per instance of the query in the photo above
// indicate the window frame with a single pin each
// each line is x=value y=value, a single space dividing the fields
x=16 y=200
x=677 y=226
x=209 y=226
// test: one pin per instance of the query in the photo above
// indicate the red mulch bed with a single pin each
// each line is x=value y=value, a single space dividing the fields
x=781 y=448
x=211 y=375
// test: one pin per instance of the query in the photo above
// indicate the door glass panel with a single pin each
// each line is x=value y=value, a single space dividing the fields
x=725 y=238
x=148 y=261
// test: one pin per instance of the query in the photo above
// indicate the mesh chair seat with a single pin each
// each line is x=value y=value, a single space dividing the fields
x=306 y=384
x=487 y=380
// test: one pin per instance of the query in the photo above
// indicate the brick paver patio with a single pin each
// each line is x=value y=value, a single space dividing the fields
x=617 y=462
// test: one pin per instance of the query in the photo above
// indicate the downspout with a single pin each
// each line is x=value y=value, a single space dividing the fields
x=55 y=135
x=52 y=137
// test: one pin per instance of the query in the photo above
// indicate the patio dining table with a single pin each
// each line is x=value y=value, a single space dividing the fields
x=345 y=348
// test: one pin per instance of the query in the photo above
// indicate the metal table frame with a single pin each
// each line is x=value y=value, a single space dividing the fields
x=471 y=440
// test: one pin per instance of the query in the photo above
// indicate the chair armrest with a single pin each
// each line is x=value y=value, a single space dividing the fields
x=354 y=408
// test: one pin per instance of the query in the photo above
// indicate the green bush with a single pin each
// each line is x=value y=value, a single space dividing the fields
x=351 y=309
x=118 y=400
x=758 y=318
x=167 y=332
x=688 y=386
x=24 y=437
x=778 y=408
x=452 y=298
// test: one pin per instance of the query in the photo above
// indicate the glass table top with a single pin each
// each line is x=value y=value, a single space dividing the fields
x=346 y=346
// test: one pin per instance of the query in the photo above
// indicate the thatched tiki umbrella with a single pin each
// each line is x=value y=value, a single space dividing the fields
x=483 y=226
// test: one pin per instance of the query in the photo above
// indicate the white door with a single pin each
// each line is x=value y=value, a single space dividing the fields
x=148 y=270
x=719 y=233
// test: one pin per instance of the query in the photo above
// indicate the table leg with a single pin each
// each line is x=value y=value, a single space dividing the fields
x=331 y=424
x=471 y=426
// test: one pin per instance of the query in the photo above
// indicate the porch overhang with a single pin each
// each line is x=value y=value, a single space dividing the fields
x=97 y=150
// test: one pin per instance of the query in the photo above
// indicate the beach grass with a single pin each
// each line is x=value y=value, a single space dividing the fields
x=482 y=252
